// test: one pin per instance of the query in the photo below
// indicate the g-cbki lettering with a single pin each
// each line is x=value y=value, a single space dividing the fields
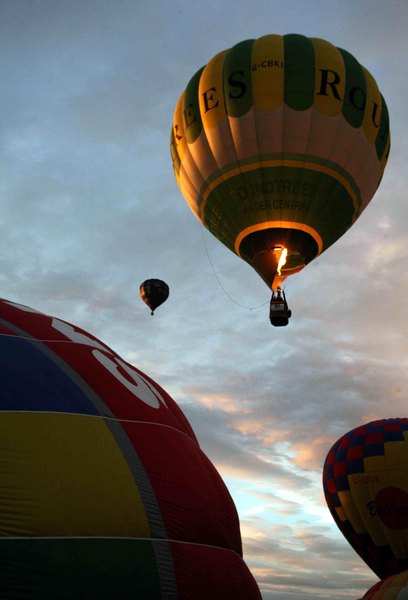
x=268 y=64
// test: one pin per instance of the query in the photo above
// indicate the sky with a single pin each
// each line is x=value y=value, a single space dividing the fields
x=90 y=208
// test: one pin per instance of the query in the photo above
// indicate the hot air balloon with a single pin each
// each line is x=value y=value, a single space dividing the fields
x=154 y=292
x=278 y=145
x=105 y=492
x=394 y=587
x=365 y=480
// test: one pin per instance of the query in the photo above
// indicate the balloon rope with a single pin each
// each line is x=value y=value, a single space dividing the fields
x=219 y=281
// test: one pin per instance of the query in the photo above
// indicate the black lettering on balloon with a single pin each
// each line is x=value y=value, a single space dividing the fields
x=189 y=116
x=209 y=102
x=236 y=83
x=177 y=135
x=329 y=79
x=374 y=114
x=371 y=508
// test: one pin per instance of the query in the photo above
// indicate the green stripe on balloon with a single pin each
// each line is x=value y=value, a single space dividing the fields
x=50 y=568
x=355 y=97
x=299 y=61
x=237 y=79
x=261 y=159
x=382 y=140
x=193 y=124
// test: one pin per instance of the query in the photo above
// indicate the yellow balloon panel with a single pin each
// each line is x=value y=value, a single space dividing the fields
x=211 y=93
x=92 y=492
x=330 y=78
x=268 y=73
x=245 y=138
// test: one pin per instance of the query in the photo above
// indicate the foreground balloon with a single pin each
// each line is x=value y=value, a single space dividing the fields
x=394 y=587
x=365 y=479
x=279 y=144
x=154 y=292
x=105 y=492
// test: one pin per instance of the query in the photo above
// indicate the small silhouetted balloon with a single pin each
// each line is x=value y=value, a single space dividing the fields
x=154 y=292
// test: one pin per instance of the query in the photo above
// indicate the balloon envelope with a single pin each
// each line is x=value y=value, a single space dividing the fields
x=105 y=492
x=280 y=142
x=365 y=479
x=154 y=292
x=394 y=587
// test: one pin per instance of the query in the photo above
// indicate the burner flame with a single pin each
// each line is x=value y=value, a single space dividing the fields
x=282 y=260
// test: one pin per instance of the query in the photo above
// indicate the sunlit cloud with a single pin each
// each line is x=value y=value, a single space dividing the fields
x=220 y=402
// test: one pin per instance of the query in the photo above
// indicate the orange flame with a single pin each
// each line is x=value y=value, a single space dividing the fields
x=282 y=260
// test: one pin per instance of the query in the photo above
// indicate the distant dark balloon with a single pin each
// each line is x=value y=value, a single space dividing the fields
x=154 y=292
x=105 y=491
x=365 y=479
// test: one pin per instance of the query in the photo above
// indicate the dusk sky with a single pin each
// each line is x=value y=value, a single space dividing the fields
x=90 y=208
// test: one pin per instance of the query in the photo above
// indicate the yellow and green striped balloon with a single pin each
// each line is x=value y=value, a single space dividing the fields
x=280 y=142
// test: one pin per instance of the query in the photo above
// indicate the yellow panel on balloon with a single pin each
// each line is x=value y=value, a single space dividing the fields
x=362 y=491
x=374 y=463
x=341 y=514
x=64 y=475
x=350 y=511
x=396 y=454
x=268 y=72
x=330 y=78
